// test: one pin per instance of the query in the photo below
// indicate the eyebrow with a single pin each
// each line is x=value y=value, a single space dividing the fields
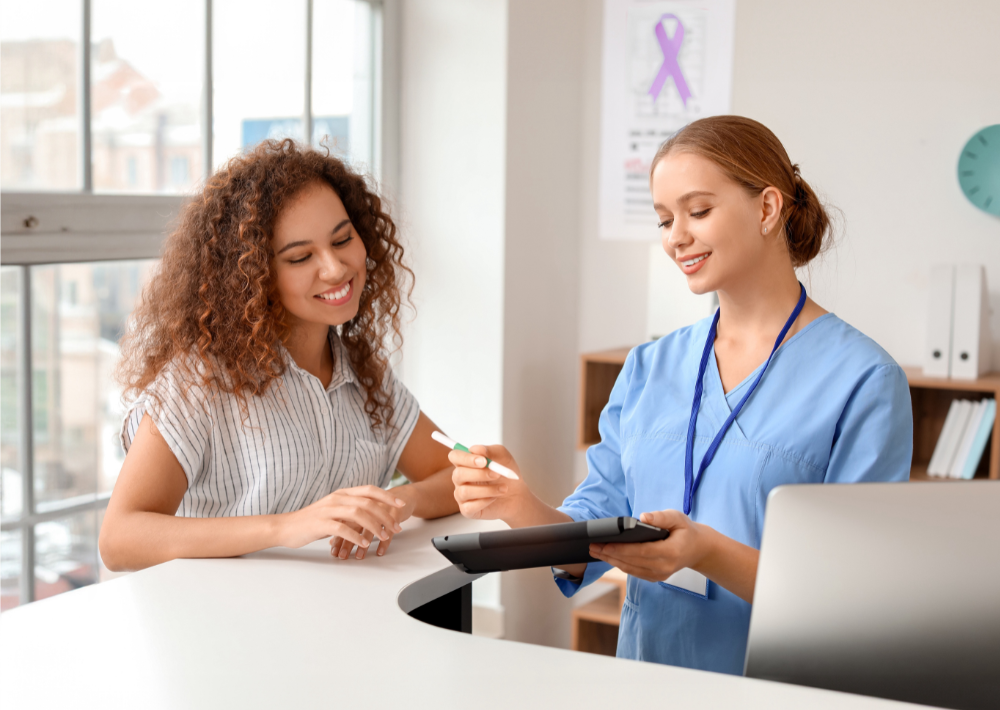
x=303 y=242
x=686 y=197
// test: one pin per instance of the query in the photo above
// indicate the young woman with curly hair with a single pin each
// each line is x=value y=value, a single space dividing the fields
x=263 y=409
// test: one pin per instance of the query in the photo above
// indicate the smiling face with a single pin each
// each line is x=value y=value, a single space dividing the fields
x=711 y=226
x=319 y=259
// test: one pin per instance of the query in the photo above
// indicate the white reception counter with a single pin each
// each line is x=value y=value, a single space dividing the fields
x=295 y=629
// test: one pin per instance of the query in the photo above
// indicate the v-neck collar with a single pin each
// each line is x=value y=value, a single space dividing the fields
x=716 y=380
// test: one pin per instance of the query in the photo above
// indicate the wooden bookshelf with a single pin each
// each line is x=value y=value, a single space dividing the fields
x=931 y=397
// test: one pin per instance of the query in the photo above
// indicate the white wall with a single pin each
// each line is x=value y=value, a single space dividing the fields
x=875 y=100
x=544 y=82
x=451 y=206
x=488 y=201
x=452 y=64
x=613 y=275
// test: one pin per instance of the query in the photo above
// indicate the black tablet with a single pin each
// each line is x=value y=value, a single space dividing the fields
x=542 y=545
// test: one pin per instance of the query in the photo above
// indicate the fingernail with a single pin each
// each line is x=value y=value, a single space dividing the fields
x=494 y=475
x=381 y=552
x=480 y=461
x=400 y=502
x=361 y=554
x=398 y=528
x=365 y=543
x=503 y=489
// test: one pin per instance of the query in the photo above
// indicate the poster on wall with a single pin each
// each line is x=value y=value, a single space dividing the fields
x=665 y=63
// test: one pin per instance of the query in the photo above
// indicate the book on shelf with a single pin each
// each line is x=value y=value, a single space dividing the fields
x=963 y=438
x=935 y=466
x=965 y=441
x=951 y=437
x=980 y=438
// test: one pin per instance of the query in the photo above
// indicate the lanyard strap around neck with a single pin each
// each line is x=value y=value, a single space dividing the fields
x=691 y=481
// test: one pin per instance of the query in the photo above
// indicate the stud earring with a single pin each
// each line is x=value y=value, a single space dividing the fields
x=765 y=230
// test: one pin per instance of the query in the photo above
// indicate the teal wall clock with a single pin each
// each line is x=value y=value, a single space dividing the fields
x=979 y=170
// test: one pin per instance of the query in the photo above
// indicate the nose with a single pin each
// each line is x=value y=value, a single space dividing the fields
x=677 y=236
x=331 y=268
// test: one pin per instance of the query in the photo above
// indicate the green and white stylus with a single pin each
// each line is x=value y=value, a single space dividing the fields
x=490 y=463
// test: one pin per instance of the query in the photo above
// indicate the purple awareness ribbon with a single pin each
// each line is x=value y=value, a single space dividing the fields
x=671 y=47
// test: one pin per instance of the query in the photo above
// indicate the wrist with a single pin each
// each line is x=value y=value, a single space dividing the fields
x=707 y=547
x=275 y=530
x=529 y=511
x=412 y=494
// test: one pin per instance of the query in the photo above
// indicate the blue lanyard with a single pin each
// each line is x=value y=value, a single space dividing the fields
x=690 y=481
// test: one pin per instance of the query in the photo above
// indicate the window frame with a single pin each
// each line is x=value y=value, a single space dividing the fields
x=81 y=226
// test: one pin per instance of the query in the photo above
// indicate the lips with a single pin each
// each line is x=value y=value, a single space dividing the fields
x=337 y=295
x=692 y=263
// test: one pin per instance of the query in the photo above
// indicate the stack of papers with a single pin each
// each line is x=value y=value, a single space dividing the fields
x=966 y=430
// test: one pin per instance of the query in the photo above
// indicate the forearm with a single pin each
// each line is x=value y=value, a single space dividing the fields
x=433 y=497
x=138 y=539
x=534 y=511
x=729 y=563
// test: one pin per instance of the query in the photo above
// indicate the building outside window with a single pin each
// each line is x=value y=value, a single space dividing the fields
x=137 y=144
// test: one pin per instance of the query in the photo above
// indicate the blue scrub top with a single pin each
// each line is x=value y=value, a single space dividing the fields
x=833 y=407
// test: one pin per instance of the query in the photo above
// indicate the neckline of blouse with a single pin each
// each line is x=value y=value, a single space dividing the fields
x=343 y=373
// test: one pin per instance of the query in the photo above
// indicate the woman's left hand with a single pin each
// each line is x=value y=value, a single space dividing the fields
x=687 y=545
x=341 y=548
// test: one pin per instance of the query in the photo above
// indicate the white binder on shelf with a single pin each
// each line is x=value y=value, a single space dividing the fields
x=941 y=292
x=970 y=351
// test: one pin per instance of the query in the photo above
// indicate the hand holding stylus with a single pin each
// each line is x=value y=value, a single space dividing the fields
x=484 y=494
x=490 y=464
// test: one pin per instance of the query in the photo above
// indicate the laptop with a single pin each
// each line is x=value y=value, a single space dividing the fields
x=883 y=589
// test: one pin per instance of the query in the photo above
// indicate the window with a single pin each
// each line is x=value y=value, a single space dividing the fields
x=39 y=95
x=97 y=149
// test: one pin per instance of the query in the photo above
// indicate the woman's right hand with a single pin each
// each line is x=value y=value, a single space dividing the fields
x=348 y=513
x=485 y=495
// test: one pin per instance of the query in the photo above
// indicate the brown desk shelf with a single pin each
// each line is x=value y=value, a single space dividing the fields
x=594 y=626
x=931 y=397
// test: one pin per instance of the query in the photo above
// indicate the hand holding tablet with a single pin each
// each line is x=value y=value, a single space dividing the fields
x=542 y=545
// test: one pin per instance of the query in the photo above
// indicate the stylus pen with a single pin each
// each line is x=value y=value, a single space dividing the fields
x=490 y=463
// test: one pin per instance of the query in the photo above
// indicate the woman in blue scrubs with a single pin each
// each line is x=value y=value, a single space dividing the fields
x=702 y=424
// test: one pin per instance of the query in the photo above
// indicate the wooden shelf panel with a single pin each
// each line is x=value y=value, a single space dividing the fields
x=598 y=373
x=918 y=473
x=595 y=625
x=604 y=610
x=988 y=383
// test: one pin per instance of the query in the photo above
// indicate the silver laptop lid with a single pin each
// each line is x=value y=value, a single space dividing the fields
x=884 y=589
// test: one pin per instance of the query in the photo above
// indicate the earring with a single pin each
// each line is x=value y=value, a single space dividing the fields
x=765 y=230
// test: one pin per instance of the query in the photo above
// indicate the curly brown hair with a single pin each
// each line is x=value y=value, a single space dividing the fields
x=212 y=311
